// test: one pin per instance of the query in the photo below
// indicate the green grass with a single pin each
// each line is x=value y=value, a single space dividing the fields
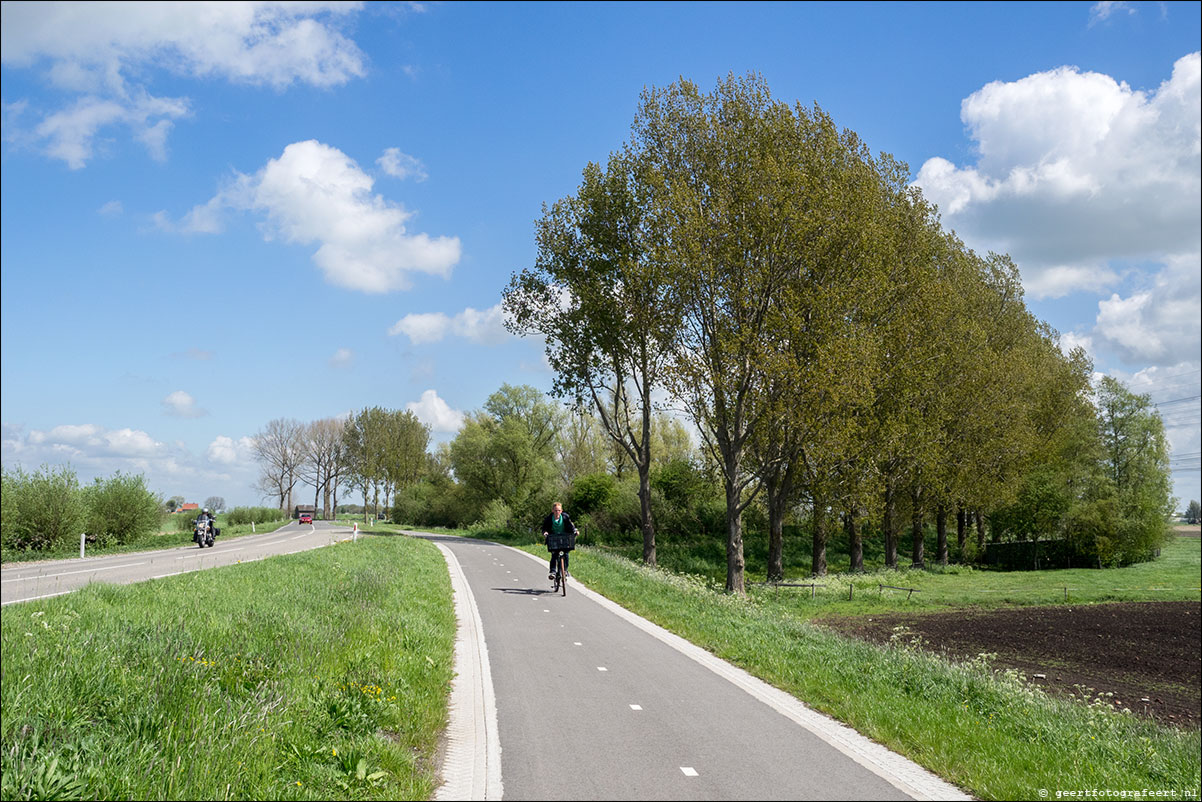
x=313 y=676
x=165 y=539
x=987 y=731
x=1174 y=576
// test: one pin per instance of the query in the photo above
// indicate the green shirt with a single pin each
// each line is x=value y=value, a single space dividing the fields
x=557 y=525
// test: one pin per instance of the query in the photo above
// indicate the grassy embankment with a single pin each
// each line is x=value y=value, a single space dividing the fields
x=319 y=675
x=169 y=536
x=989 y=732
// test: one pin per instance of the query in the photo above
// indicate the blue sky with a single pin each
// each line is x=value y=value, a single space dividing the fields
x=216 y=215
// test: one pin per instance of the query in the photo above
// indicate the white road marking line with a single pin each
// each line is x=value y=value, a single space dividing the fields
x=173 y=573
x=43 y=596
x=546 y=611
x=302 y=534
x=577 y=643
x=602 y=668
x=688 y=771
x=636 y=707
x=68 y=573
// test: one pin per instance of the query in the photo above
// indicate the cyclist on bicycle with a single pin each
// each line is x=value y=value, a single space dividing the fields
x=557 y=523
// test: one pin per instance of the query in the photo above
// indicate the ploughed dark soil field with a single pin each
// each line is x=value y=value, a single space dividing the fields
x=1134 y=650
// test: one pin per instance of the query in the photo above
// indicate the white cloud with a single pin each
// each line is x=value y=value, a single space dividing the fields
x=1103 y=10
x=181 y=405
x=435 y=412
x=100 y=52
x=228 y=451
x=90 y=440
x=111 y=209
x=315 y=193
x=1158 y=324
x=486 y=327
x=342 y=358
x=402 y=165
x=1077 y=170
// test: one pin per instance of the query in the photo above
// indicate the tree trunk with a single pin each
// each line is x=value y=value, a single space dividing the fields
x=980 y=535
x=776 y=525
x=855 y=543
x=735 y=564
x=889 y=523
x=961 y=531
x=918 y=546
x=818 y=556
x=645 y=511
x=941 y=531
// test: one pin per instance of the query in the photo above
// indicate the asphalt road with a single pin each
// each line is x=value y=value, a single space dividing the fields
x=26 y=581
x=592 y=706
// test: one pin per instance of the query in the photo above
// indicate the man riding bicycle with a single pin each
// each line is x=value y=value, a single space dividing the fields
x=557 y=523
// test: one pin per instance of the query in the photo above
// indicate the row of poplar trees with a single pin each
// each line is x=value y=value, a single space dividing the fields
x=798 y=297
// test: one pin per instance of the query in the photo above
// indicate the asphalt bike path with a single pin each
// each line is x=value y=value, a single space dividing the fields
x=28 y=581
x=592 y=702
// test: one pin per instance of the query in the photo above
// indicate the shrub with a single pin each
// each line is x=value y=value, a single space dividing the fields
x=591 y=492
x=121 y=509
x=42 y=510
x=248 y=515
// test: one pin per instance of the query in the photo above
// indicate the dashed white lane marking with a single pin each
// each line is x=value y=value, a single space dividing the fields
x=68 y=573
x=902 y=773
x=174 y=573
x=545 y=610
x=688 y=771
x=577 y=643
x=602 y=668
x=636 y=707
x=302 y=534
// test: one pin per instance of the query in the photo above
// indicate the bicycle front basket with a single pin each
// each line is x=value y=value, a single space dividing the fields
x=564 y=542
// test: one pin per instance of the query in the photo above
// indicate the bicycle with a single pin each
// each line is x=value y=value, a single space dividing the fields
x=560 y=583
x=559 y=546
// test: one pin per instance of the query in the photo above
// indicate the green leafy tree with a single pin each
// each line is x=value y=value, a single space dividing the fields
x=1193 y=513
x=42 y=510
x=607 y=309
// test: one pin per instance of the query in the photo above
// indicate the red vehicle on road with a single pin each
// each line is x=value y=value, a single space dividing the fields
x=305 y=518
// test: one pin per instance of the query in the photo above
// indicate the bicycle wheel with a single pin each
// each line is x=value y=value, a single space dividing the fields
x=563 y=577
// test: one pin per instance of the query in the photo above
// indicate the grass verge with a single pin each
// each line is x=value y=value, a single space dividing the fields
x=988 y=732
x=321 y=675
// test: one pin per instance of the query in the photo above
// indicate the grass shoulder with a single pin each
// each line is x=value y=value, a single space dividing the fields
x=319 y=675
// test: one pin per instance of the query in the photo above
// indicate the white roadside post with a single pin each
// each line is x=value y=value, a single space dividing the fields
x=82 y=535
x=252 y=527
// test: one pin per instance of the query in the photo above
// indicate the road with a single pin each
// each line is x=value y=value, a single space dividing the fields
x=592 y=702
x=27 y=581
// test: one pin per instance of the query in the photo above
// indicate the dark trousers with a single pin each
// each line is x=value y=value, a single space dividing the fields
x=551 y=565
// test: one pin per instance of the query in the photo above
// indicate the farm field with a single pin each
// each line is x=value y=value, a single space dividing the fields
x=1122 y=653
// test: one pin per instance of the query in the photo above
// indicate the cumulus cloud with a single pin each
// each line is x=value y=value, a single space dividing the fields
x=436 y=413
x=1158 y=324
x=99 y=53
x=342 y=358
x=181 y=405
x=486 y=327
x=1076 y=171
x=402 y=165
x=111 y=209
x=315 y=193
x=228 y=451
x=90 y=440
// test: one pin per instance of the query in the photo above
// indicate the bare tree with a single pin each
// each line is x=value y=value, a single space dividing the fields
x=215 y=503
x=322 y=452
x=279 y=450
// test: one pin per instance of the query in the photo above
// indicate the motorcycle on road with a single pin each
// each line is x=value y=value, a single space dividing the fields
x=202 y=533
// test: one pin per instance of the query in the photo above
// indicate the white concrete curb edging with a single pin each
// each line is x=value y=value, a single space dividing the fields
x=900 y=772
x=471 y=768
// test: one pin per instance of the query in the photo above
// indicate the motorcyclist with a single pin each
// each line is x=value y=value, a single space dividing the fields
x=206 y=516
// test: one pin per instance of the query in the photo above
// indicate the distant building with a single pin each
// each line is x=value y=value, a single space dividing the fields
x=303 y=509
x=189 y=507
